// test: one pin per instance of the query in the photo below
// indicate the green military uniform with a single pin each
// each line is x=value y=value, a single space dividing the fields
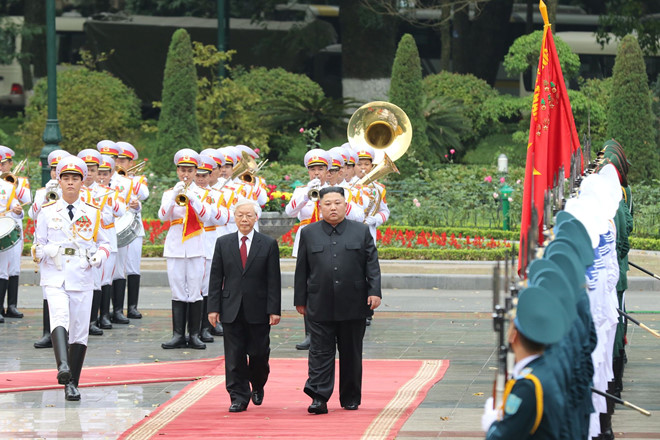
x=533 y=402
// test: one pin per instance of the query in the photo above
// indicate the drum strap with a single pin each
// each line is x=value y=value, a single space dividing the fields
x=11 y=198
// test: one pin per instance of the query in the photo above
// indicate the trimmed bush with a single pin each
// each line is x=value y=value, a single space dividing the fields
x=406 y=91
x=90 y=106
x=630 y=118
x=177 y=125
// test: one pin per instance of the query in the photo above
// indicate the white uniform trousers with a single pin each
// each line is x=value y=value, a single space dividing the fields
x=133 y=257
x=98 y=272
x=207 y=277
x=15 y=259
x=185 y=276
x=109 y=269
x=5 y=258
x=70 y=309
x=120 y=267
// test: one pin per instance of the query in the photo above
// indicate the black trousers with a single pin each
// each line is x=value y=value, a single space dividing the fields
x=242 y=341
x=326 y=338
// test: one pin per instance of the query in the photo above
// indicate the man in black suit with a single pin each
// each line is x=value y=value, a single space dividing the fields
x=337 y=282
x=245 y=295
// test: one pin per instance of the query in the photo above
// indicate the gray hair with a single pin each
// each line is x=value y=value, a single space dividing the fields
x=243 y=201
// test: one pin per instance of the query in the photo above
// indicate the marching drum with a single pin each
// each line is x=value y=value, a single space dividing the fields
x=127 y=226
x=10 y=233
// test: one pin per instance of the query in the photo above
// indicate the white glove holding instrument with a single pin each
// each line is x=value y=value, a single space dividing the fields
x=489 y=416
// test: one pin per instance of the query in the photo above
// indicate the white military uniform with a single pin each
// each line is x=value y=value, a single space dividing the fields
x=66 y=275
x=23 y=196
x=124 y=188
x=7 y=202
x=185 y=257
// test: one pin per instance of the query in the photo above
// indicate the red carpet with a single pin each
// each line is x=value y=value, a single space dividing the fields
x=31 y=380
x=391 y=390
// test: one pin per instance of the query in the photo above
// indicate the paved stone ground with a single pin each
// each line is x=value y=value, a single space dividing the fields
x=416 y=324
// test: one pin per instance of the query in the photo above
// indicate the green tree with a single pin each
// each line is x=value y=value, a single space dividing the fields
x=630 y=118
x=524 y=54
x=90 y=106
x=406 y=91
x=177 y=125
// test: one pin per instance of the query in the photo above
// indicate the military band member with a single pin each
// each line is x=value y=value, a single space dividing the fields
x=69 y=240
x=41 y=197
x=207 y=166
x=533 y=402
x=219 y=161
x=259 y=191
x=23 y=196
x=132 y=253
x=92 y=159
x=376 y=212
x=228 y=188
x=351 y=161
x=184 y=250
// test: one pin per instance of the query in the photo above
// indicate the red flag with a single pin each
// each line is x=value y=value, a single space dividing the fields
x=191 y=224
x=553 y=138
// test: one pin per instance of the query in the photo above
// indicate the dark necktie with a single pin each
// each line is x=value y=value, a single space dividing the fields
x=243 y=250
x=70 y=208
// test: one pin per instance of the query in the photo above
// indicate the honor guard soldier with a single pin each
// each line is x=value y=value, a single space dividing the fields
x=184 y=250
x=50 y=192
x=207 y=166
x=227 y=166
x=533 y=402
x=219 y=161
x=351 y=161
x=68 y=242
x=23 y=196
x=259 y=191
x=132 y=253
x=228 y=188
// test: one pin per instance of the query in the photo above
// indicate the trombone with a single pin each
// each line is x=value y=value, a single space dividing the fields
x=132 y=171
x=11 y=176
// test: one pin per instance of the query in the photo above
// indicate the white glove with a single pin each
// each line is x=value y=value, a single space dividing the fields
x=51 y=250
x=489 y=416
x=98 y=258
x=371 y=220
x=37 y=253
x=84 y=263
x=195 y=203
x=178 y=187
x=314 y=183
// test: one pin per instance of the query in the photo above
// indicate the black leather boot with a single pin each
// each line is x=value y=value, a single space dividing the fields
x=133 y=286
x=3 y=292
x=60 y=340
x=617 y=367
x=45 y=341
x=12 y=298
x=77 y=358
x=94 y=314
x=205 y=334
x=118 y=293
x=106 y=296
x=217 y=330
x=606 y=427
x=194 y=325
x=178 y=326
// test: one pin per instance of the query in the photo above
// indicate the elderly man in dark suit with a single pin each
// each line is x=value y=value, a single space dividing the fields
x=337 y=282
x=245 y=295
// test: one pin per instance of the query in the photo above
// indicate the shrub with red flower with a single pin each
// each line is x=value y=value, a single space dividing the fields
x=277 y=200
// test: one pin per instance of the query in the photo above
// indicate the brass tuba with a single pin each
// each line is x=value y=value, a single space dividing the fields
x=384 y=127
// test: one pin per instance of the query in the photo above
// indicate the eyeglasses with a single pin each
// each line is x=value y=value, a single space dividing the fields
x=247 y=216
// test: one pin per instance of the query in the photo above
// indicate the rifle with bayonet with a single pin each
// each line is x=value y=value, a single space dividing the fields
x=643 y=326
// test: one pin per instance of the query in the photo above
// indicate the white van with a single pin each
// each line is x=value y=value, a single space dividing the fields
x=70 y=38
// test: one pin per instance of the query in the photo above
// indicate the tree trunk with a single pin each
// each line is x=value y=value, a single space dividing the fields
x=483 y=41
x=552 y=14
x=445 y=37
x=33 y=46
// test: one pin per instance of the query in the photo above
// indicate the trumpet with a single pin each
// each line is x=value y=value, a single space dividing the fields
x=182 y=199
x=51 y=191
x=314 y=193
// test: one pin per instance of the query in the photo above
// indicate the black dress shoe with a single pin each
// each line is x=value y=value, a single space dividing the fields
x=351 y=406
x=318 y=407
x=368 y=322
x=257 y=397
x=12 y=312
x=71 y=392
x=238 y=407
x=304 y=345
x=94 y=330
x=119 y=318
x=205 y=335
x=218 y=330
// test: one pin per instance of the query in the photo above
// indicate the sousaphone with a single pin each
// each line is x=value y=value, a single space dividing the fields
x=384 y=127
